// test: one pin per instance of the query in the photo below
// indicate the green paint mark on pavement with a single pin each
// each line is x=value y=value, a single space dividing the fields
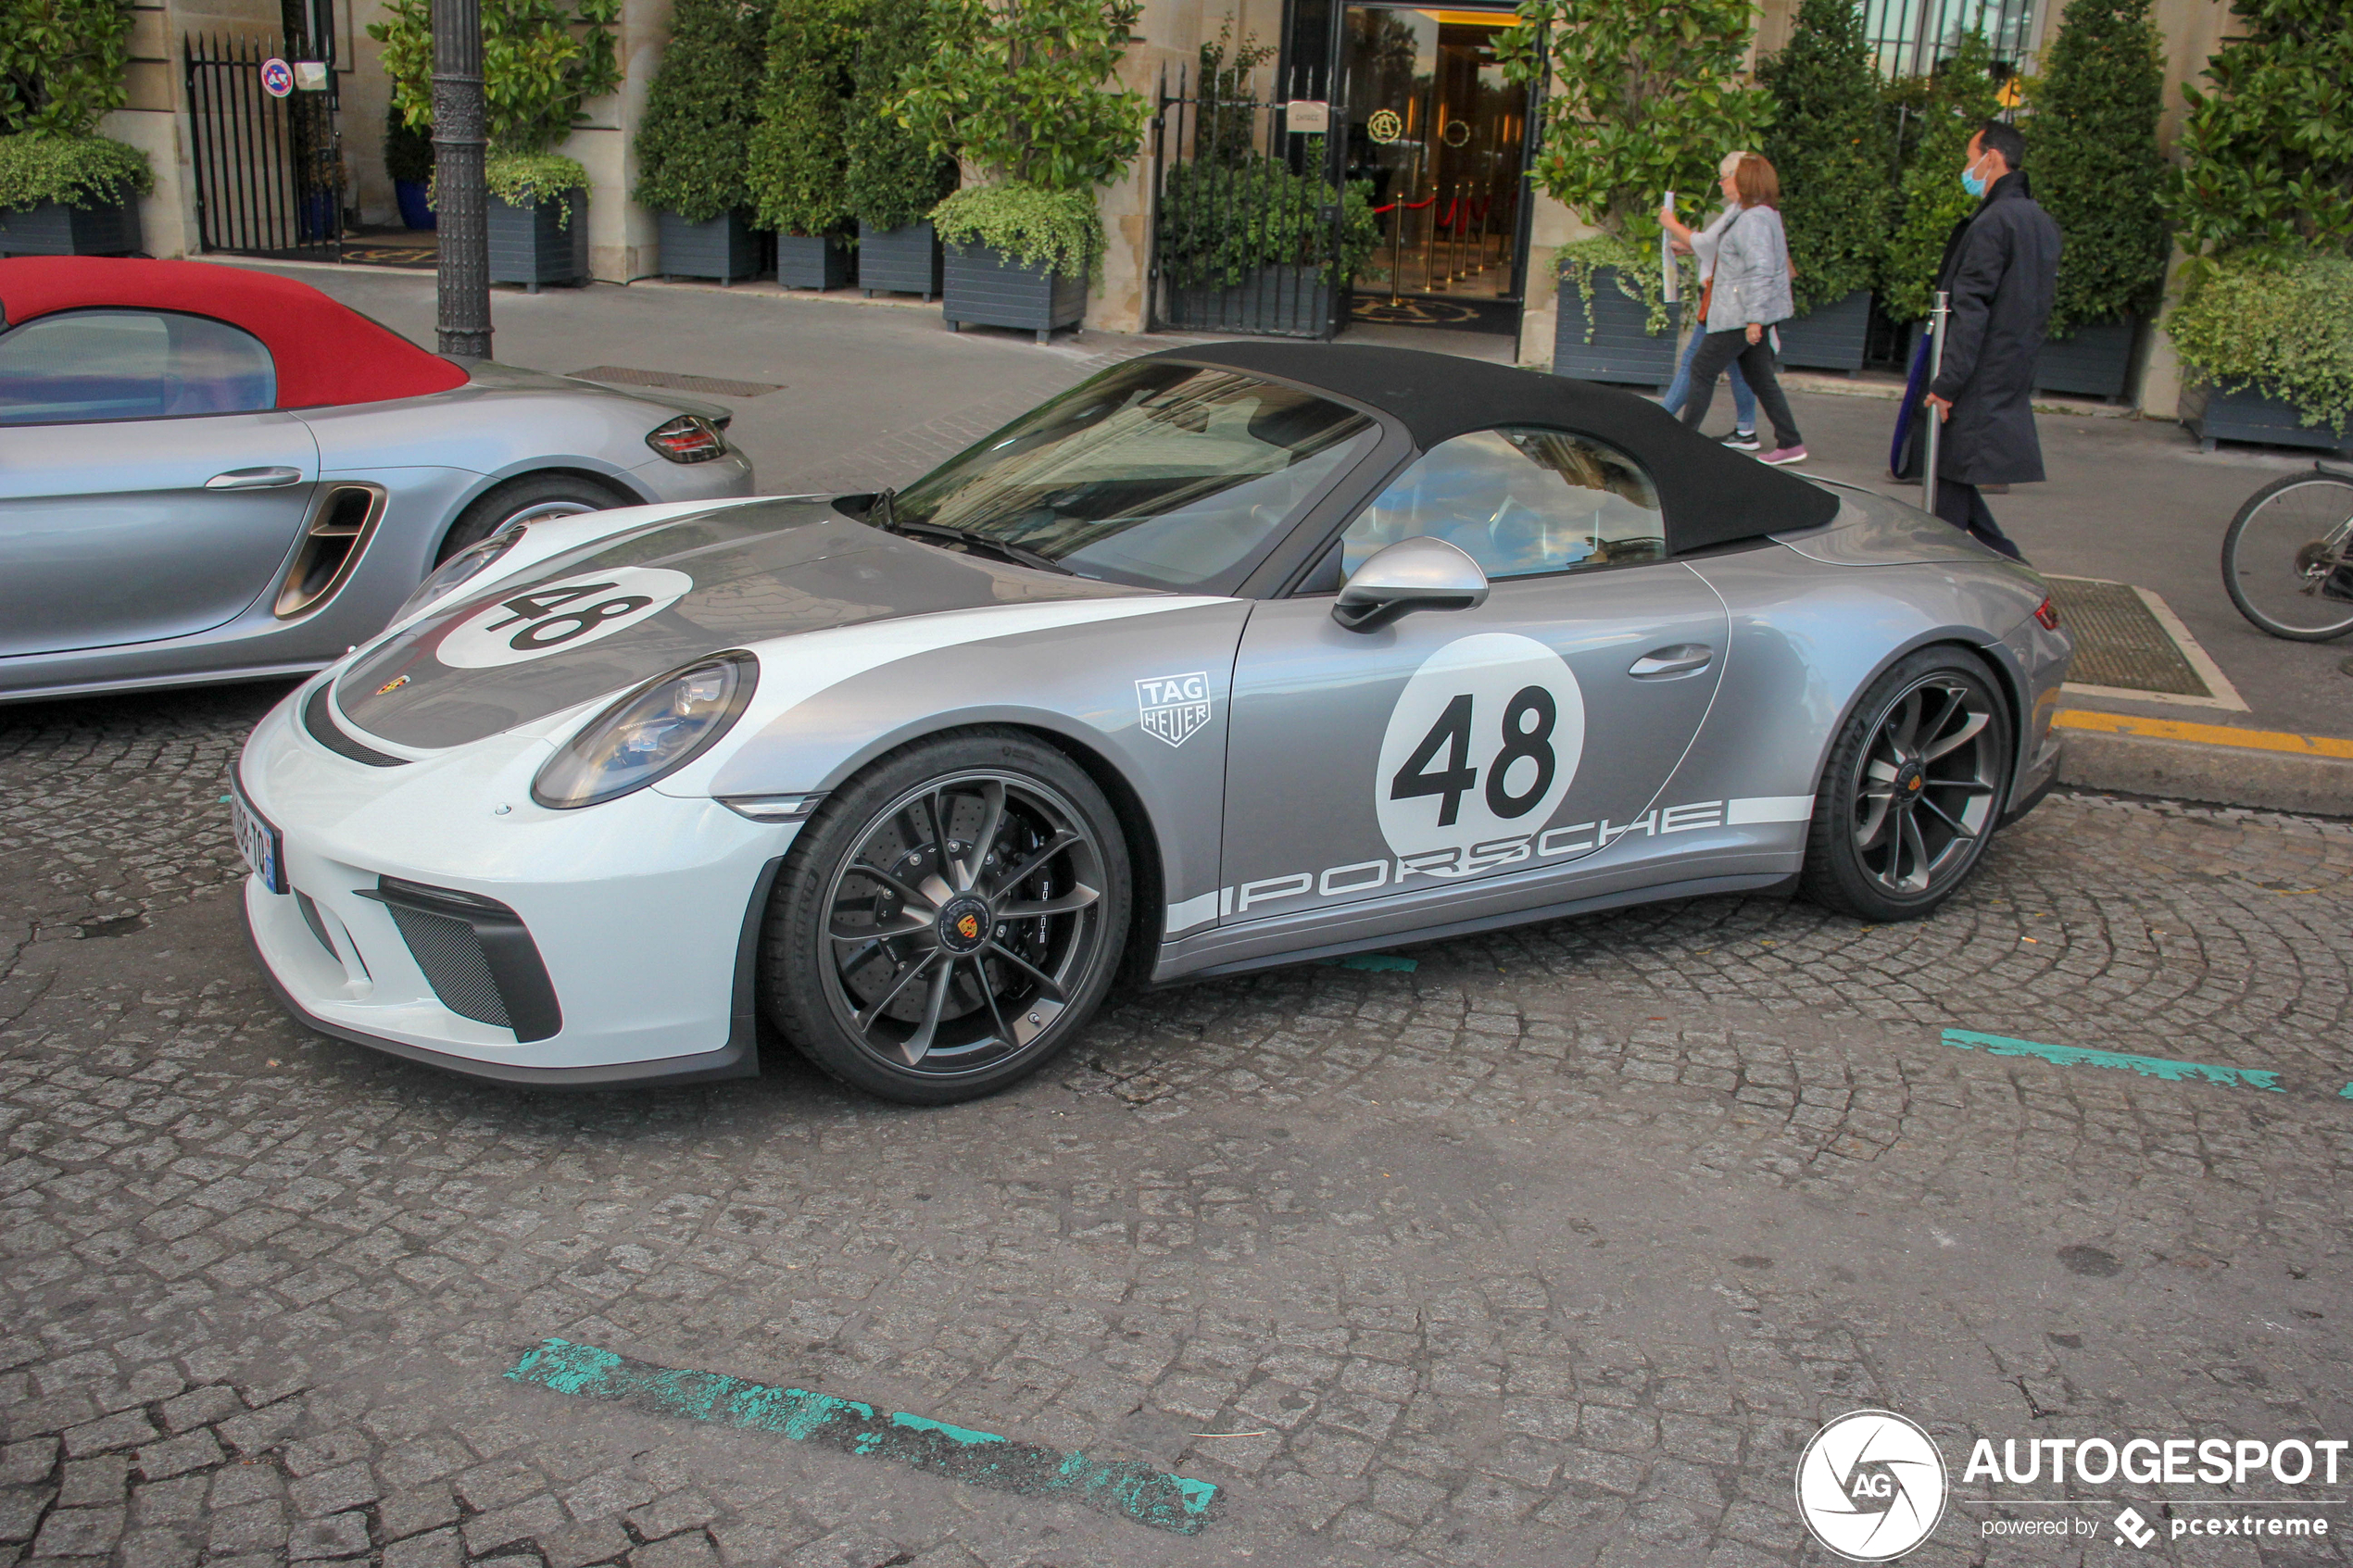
x=980 y=1458
x=1377 y=962
x=2147 y=1066
x=2346 y=1093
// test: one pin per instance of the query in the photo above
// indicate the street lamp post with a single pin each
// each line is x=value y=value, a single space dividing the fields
x=461 y=203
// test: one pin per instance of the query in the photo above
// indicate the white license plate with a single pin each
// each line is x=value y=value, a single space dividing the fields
x=264 y=851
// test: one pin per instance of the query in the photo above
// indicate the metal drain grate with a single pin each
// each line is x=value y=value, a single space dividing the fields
x=621 y=375
x=2119 y=643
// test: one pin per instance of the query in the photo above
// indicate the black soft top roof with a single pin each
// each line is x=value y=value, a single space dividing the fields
x=1711 y=493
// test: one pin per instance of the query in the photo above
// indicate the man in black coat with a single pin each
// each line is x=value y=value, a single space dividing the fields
x=2001 y=268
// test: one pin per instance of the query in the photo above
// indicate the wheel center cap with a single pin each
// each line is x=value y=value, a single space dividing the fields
x=963 y=925
x=1910 y=780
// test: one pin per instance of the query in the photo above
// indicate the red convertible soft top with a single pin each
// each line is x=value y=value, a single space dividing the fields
x=325 y=353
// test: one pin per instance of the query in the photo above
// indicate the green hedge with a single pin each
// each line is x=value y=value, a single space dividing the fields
x=2267 y=154
x=62 y=64
x=1931 y=199
x=80 y=171
x=799 y=163
x=892 y=178
x=2091 y=153
x=692 y=143
x=2279 y=323
x=1218 y=222
x=1829 y=143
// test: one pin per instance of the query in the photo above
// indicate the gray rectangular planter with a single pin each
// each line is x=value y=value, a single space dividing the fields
x=538 y=244
x=2091 y=362
x=812 y=261
x=53 y=229
x=904 y=260
x=1622 y=350
x=724 y=247
x=985 y=287
x=2249 y=414
x=1831 y=338
x=1279 y=301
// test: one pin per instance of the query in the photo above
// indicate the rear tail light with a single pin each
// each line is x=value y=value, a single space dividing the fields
x=689 y=438
x=2047 y=615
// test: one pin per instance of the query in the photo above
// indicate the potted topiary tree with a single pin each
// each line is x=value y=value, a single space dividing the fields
x=691 y=143
x=2264 y=201
x=65 y=191
x=1948 y=109
x=797 y=161
x=409 y=160
x=1643 y=100
x=894 y=178
x=1829 y=143
x=541 y=60
x=1247 y=244
x=1016 y=90
x=2097 y=171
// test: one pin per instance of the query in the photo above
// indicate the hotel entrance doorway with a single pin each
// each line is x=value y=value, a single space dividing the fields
x=1441 y=140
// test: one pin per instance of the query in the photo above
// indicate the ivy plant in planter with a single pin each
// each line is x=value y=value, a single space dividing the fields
x=797 y=160
x=2097 y=170
x=1016 y=89
x=408 y=162
x=1248 y=244
x=691 y=145
x=1644 y=99
x=1615 y=324
x=894 y=178
x=541 y=60
x=2268 y=338
x=1828 y=143
x=65 y=191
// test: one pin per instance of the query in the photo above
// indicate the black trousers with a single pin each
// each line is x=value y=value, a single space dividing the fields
x=1719 y=349
x=1963 y=506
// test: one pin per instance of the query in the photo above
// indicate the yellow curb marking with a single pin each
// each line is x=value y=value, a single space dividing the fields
x=2203 y=735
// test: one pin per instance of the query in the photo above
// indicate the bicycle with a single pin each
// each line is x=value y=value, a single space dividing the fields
x=2287 y=559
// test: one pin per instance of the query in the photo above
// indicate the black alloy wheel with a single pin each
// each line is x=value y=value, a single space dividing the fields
x=1913 y=789
x=951 y=919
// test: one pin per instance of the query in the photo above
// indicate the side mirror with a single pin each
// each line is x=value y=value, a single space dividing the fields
x=1411 y=574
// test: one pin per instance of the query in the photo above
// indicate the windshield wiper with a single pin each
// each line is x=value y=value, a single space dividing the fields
x=971 y=539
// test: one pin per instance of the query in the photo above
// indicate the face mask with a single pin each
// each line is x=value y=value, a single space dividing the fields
x=1972 y=181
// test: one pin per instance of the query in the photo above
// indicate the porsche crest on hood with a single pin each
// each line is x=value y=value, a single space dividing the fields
x=600 y=620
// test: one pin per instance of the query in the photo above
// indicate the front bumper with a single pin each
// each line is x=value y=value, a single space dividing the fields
x=642 y=914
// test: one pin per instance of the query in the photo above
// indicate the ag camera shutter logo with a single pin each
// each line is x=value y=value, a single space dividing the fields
x=1871 y=1485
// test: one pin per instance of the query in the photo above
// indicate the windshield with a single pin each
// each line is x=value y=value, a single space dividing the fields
x=1153 y=473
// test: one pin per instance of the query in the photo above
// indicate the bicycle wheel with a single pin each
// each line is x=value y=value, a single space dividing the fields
x=2288 y=558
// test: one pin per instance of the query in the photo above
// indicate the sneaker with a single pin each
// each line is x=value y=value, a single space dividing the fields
x=1742 y=441
x=1784 y=455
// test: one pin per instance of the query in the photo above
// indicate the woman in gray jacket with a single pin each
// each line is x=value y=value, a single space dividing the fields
x=1749 y=292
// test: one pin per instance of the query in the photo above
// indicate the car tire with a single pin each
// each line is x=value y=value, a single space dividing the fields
x=1913 y=790
x=949 y=919
x=527 y=499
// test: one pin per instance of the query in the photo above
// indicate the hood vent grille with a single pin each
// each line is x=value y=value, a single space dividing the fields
x=340 y=526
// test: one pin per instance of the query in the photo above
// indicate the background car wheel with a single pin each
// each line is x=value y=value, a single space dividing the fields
x=949 y=919
x=1912 y=790
x=527 y=499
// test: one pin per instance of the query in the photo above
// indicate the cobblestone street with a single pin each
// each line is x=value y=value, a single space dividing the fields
x=1551 y=1247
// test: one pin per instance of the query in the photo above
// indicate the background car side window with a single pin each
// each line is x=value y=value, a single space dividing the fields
x=86 y=365
x=1520 y=501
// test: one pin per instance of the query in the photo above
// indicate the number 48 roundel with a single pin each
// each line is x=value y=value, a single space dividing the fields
x=1481 y=746
x=553 y=617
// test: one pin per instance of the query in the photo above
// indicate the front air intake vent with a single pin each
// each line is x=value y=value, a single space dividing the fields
x=340 y=524
x=475 y=954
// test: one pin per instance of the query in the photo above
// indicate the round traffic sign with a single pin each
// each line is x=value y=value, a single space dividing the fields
x=277 y=77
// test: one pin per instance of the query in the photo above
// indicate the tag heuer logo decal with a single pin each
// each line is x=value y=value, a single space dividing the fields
x=1172 y=706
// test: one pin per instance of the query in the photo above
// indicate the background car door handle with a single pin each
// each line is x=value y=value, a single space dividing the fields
x=254 y=478
x=1684 y=658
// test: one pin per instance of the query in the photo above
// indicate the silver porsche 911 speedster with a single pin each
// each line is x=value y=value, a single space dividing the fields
x=1231 y=657
x=211 y=473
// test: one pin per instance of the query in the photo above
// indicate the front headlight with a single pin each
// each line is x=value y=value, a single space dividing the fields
x=655 y=730
x=467 y=564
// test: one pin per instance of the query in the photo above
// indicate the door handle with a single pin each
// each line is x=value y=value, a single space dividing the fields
x=1683 y=658
x=254 y=478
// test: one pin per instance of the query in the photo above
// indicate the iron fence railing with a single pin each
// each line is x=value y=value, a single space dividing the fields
x=269 y=171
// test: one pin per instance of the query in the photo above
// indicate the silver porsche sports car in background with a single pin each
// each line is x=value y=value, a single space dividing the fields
x=1230 y=656
x=212 y=473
